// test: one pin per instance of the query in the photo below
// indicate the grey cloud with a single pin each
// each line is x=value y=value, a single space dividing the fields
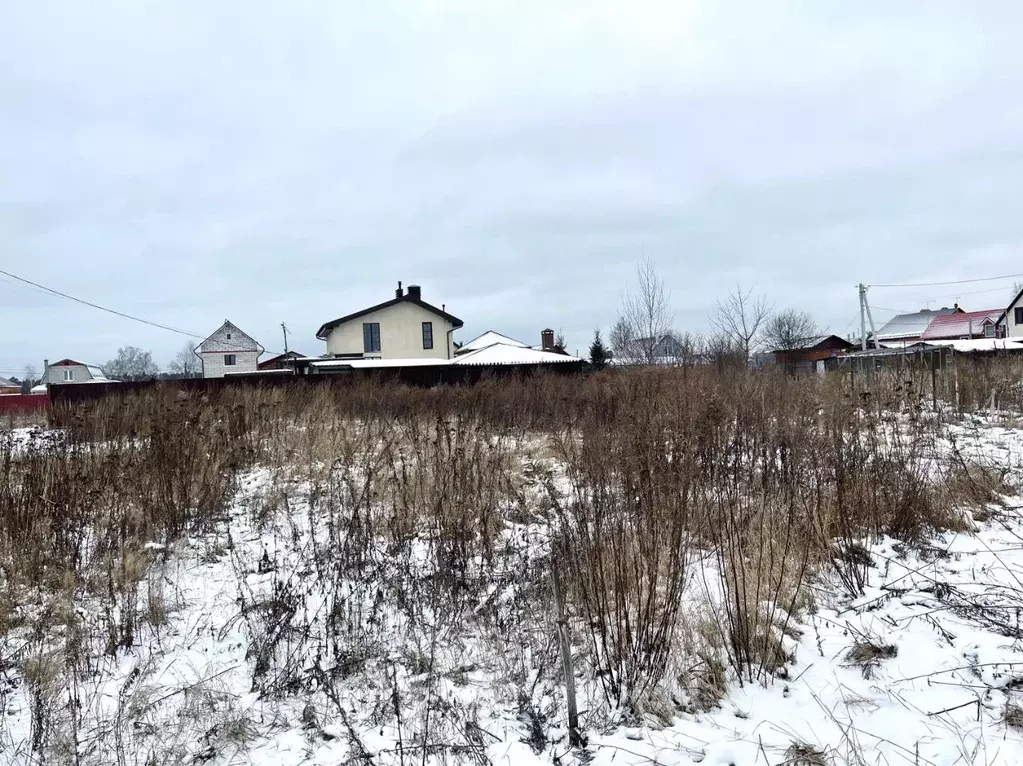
x=268 y=163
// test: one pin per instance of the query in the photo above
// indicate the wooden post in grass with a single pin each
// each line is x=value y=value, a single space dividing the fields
x=934 y=382
x=566 y=657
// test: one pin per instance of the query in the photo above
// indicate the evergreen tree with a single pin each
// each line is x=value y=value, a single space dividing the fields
x=599 y=355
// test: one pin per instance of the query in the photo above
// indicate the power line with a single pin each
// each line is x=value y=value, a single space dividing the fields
x=958 y=281
x=58 y=293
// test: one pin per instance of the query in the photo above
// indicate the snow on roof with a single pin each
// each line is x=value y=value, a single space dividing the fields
x=494 y=354
x=504 y=353
x=365 y=364
x=911 y=325
x=489 y=338
x=5 y=383
x=40 y=389
x=978 y=344
x=967 y=323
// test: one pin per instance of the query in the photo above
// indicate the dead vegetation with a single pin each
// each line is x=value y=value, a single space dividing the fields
x=423 y=516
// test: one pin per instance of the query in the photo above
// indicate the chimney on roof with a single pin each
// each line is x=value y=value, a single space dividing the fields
x=415 y=292
x=46 y=368
x=547 y=339
x=398 y=293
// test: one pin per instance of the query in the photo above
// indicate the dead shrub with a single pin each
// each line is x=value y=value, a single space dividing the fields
x=805 y=754
x=868 y=655
x=1013 y=716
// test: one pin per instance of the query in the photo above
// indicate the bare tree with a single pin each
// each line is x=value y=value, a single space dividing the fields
x=185 y=363
x=645 y=321
x=740 y=320
x=721 y=351
x=790 y=329
x=29 y=378
x=131 y=363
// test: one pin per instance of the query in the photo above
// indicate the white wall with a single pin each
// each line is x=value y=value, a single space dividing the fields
x=55 y=373
x=213 y=363
x=401 y=334
x=1013 y=330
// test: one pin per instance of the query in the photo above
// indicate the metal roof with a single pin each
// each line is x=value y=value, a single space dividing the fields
x=911 y=325
x=965 y=324
x=489 y=338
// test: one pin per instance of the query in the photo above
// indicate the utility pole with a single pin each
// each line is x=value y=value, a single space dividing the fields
x=863 y=316
x=284 y=329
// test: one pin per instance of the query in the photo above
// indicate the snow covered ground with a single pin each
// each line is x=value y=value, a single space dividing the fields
x=229 y=665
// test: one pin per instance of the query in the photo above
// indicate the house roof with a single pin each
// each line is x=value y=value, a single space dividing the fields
x=495 y=354
x=963 y=324
x=808 y=344
x=974 y=345
x=489 y=338
x=215 y=345
x=504 y=353
x=280 y=357
x=5 y=383
x=406 y=298
x=94 y=369
x=911 y=325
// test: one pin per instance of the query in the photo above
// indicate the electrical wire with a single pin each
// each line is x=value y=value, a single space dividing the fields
x=955 y=282
x=84 y=302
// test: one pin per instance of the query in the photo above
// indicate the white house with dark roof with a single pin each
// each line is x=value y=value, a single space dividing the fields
x=1011 y=323
x=405 y=327
x=228 y=351
x=72 y=371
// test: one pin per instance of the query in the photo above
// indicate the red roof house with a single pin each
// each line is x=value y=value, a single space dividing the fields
x=966 y=324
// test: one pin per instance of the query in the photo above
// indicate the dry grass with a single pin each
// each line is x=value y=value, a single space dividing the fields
x=805 y=754
x=1013 y=716
x=637 y=478
x=868 y=655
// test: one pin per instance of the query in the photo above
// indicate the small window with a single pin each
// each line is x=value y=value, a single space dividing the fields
x=1018 y=315
x=989 y=331
x=229 y=336
x=69 y=375
x=427 y=335
x=230 y=360
x=371 y=337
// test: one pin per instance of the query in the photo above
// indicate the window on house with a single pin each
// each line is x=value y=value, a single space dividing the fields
x=371 y=337
x=1018 y=314
x=989 y=331
x=230 y=360
x=427 y=335
x=229 y=336
x=69 y=375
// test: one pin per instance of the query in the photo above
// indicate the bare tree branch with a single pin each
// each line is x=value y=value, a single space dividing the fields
x=639 y=334
x=740 y=319
x=790 y=329
x=185 y=363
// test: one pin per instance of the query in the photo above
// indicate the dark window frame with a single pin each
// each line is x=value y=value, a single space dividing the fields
x=230 y=360
x=1018 y=315
x=371 y=338
x=428 y=336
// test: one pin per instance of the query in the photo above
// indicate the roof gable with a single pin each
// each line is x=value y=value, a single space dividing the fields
x=912 y=325
x=965 y=323
x=406 y=298
x=228 y=338
x=489 y=338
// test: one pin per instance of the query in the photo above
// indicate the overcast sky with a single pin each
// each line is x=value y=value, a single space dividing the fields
x=191 y=161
